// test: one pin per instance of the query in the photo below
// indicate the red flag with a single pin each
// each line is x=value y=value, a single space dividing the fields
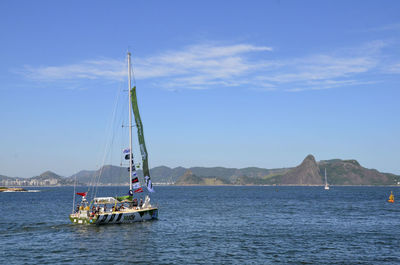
x=139 y=190
x=82 y=193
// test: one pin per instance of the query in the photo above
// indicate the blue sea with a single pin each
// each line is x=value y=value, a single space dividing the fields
x=210 y=225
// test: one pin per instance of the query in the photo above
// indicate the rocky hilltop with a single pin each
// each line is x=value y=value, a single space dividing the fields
x=307 y=173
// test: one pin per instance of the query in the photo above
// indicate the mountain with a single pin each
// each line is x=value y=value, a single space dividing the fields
x=106 y=175
x=188 y=178
x=350 y=172
x=339 y=172
x=162 y=174
x=309 y=172
x=47 y=178
x=119 y=175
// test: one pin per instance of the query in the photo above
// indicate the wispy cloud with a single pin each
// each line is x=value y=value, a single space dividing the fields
x=90 y=69
x=242 y=65
x=389 y=27
x=394 y=68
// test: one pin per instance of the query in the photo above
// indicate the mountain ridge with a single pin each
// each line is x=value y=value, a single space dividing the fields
x=308 y=172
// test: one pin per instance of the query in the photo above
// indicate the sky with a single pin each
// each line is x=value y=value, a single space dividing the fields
x=220 y=83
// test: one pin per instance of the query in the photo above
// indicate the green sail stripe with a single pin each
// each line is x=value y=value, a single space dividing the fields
x=139 y=127
x=124 y=198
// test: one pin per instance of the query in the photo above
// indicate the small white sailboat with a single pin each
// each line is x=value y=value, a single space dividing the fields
x=326 y=182
x=121 y=209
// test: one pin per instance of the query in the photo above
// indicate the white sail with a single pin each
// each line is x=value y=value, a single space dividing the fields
x=326 y=182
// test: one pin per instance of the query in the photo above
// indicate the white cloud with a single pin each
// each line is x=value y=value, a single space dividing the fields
x=242 y=65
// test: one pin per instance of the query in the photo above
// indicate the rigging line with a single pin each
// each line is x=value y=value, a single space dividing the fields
x=73 y=200
x=122 y=121
x=112 y=137
x=101 y=170
x=132 y=75
x=97 y=178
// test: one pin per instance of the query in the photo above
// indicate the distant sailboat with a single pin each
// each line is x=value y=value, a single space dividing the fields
x=391 y=197
x=326 y=182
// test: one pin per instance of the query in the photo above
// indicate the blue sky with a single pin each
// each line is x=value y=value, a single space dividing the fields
x=220 y=83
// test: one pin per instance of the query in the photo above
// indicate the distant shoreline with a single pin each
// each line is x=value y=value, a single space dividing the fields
x=281 y=185
x=201 y=185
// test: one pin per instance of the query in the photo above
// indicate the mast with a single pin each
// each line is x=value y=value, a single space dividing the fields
x=326 y=182
x=130 y=125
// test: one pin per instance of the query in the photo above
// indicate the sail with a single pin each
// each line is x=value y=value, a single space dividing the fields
x=142 y=144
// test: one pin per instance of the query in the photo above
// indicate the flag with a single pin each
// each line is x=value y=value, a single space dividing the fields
x=126 y=150
x=83 y=194
x=149 y=186
x=135 y=183
x=139 y=190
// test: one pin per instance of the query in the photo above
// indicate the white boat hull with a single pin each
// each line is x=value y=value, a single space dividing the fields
x=120 y=217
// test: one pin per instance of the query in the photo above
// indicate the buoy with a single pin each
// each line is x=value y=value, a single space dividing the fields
x=391 y=197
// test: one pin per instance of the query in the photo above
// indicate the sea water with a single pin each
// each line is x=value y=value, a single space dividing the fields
x=209 y=225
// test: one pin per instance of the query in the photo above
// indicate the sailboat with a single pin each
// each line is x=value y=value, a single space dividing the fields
x=391 y=197
x=326 y=182
x=127 y=208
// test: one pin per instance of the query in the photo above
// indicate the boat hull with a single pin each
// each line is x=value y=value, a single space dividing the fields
x=125 y=217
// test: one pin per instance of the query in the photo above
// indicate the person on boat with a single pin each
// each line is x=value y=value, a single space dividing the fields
x=141 y=203
x=135 y=203
x=77 y=207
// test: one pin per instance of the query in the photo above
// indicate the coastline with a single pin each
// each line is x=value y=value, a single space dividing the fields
x=8 y=189
x=21 y=188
